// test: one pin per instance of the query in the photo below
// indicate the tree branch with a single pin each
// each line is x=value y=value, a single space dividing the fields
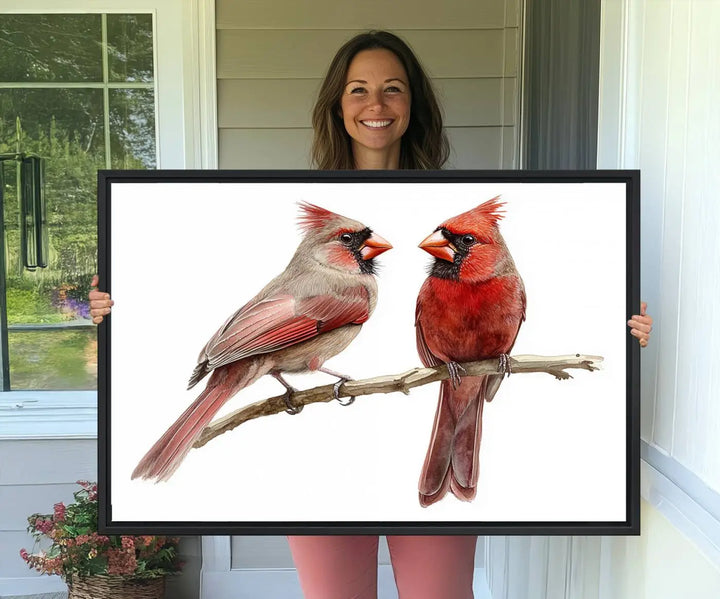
x=554 y=365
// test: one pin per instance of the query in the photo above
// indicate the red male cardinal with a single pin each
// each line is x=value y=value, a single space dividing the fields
x=469 y=308
x=309 y=313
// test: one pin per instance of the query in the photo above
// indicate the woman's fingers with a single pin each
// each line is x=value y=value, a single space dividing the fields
x=641 y=325
x=100 y=302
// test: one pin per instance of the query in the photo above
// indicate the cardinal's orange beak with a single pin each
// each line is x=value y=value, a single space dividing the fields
x=436 y=245
x=374 y=246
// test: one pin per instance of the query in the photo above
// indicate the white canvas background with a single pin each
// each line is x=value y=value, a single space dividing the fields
x=187 y=255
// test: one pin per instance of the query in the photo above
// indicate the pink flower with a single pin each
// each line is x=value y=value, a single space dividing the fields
x=121 y=561
x=59 y=512
x=53 y=565
x=99 y=539
x=24 y=554
x=44 y=526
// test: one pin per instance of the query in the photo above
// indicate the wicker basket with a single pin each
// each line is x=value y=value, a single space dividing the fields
x=116 y=587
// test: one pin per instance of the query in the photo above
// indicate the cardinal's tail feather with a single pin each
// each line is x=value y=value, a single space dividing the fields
x=465 y=460
x=434 y=478
x=451 y=462
x=166 y=455
x=427 y=499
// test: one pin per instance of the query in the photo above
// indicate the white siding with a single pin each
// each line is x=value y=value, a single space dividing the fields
x=672 y=133
x=271 y=60
x=660 y=564
x=34 y=475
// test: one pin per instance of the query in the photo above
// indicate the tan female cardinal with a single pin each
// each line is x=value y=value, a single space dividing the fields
x=469 y=308
x=309 y=313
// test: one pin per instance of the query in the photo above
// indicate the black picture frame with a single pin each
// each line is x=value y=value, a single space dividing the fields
x=108 y=240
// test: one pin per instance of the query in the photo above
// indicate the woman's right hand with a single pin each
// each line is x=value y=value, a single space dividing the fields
x=100 y=302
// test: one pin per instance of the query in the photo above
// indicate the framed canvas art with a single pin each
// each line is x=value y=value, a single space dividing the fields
x=302 y=352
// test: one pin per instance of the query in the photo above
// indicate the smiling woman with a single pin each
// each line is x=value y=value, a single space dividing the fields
x=376 y=109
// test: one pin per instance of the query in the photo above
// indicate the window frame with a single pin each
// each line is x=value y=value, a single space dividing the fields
x=186 y=137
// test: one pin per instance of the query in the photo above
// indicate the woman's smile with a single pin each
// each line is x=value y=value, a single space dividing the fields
x=377 y=124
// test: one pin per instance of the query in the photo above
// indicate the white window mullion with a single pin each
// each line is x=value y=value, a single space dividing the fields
x=106 y=91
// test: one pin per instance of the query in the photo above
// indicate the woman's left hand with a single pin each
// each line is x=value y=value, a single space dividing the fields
x=641 y=325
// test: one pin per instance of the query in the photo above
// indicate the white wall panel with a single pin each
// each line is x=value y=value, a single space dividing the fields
x=19 y=501
x=696 y=443
x=474 y=147
x=47 y=462
x=265 y=148
x=669 y=127
x=255 y=54
x=12 y=565
x=651 y=123
x=260 y=552
x=264 y=103
x=34 y=476
x=348 y=14
x=674 y=198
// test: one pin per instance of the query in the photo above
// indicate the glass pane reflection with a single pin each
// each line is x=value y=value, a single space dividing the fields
x=53 y=359
x=56 y=47
x=130 y=47
x=132 y=128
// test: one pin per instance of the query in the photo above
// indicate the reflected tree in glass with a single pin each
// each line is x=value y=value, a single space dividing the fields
x=66 y=126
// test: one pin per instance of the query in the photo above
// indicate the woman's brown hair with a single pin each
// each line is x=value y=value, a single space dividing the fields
x=424 y=144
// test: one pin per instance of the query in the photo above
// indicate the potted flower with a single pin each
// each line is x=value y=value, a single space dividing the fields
x=96 y=566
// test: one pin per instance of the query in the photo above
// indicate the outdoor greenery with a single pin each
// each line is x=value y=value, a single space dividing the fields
x=67 y=127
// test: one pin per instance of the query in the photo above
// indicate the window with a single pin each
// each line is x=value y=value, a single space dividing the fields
x=77 y=90
x=186 y=124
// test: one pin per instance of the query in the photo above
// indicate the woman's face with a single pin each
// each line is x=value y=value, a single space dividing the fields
x=375 y=103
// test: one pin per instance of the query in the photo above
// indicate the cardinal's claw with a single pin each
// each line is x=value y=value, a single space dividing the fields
x=291 y=408
x=504 y=365
x=454 y=370
x=336 y=393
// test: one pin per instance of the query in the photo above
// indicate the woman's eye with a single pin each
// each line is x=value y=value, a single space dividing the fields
x=468 y=239
x=357 y=90
x=392 y=89
x=346 y=238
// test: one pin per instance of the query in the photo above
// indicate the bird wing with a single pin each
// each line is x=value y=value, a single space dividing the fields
x=426 y=356
x=280 y=321
x=494 y=381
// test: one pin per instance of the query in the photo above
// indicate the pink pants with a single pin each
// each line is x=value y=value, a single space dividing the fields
x=345 y=567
